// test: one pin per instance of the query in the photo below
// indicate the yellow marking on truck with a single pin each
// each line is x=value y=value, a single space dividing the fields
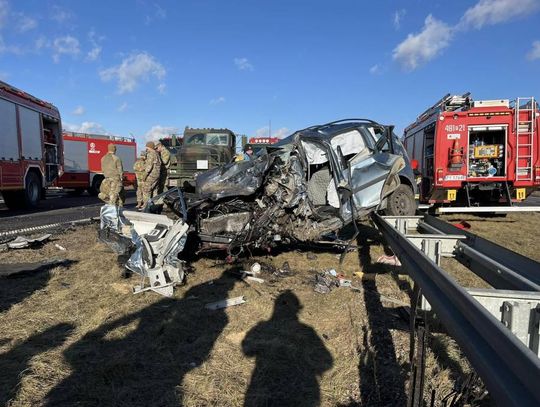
x=521 y=193
x=451 y=194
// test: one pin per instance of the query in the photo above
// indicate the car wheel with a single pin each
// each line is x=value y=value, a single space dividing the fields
x=401 y=202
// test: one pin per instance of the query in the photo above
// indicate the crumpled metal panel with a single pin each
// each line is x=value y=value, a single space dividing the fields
x=236 y=179
x=154 y=259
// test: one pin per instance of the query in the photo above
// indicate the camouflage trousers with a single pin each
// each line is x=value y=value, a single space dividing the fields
x=149 y=188
x=163 y=180
x=140 y=184
x=111 y=192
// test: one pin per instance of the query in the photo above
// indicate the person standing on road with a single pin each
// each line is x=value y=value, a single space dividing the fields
x=152 y=169
x=139 y=168
x=165 y=157
x=111 y=190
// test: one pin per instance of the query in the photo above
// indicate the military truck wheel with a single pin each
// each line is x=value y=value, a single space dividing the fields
x=96 y=183
x=401 y=202
x=32 y=190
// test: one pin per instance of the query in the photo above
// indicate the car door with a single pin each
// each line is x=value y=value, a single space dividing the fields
x=368 y=172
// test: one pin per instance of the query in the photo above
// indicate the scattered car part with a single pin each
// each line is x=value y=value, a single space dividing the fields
x=153 y=243
x=229 y=302
x=21 y=242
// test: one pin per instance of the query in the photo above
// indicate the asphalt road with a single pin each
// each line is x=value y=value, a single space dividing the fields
x=59 y=206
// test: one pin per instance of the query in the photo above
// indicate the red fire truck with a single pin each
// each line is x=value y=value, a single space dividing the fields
x=476 y=153
x=30 y=147
x=82 y=160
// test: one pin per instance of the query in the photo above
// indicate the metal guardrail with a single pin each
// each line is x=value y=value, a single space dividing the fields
x=510 y=371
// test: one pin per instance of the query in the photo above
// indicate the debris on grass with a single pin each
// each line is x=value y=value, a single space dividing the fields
x=21 y=242
x=229 y=302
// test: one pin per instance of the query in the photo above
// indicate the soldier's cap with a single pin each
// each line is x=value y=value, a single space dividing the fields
x=158 y=143
x=150 y=144
x=111 y=148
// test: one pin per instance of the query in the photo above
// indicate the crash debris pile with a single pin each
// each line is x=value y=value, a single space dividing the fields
x=152 y=242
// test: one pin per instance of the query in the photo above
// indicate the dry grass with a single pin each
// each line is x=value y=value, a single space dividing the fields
x=75 y=335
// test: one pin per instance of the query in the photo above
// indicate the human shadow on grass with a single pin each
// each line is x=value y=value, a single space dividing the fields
x=16 y=287
x=141 y=359
x=290 y=358
x=382 y=378
x=16 y=361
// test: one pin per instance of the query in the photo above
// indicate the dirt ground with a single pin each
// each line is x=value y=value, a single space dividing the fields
x=76 y=335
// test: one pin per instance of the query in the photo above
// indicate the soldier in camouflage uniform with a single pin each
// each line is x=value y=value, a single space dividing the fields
x=152 y=169
x=138 y=167
x=165 y=157
x=111 y=190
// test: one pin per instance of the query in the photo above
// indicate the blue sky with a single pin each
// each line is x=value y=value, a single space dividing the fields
x=147 y=67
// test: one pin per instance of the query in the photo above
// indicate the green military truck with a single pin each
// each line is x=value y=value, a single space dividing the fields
x=201 y=150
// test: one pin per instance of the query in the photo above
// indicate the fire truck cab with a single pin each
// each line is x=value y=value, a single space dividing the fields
x=31 y=148
x=476 y=153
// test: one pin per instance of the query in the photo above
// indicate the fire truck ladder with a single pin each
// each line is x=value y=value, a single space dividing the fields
x=525 y=115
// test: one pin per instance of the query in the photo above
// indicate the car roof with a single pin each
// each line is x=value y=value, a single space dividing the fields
x=327 y=131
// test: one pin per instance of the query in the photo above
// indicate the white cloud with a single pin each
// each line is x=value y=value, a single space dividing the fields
x=420 y=48
x=79 y=110
x=218 y=100
x=375 y=69
x=96 y=49
x=123 y=107
x=158 y=13
x=158 y=131
x=279 y=133
x=398 y=16
x=4 y=12
x=25 y=23
x=10 y=49
x=132 y=70
x=243 y=64
x=534 y=53
x=86 y=127
x=60 y=14
x=490 y=12
x=66 y=45
x=162 y=88
x=93 y=54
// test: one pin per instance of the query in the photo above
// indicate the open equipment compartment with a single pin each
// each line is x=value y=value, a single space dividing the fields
x=487 y=155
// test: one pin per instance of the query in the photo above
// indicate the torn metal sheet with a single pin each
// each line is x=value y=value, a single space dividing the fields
x=21 y=242
x=153 y=243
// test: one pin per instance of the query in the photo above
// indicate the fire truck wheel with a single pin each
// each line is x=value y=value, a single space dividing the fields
x=401 y=202
x=32 y=190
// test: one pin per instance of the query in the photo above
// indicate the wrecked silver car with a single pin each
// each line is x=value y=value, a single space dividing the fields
x=306 y=188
